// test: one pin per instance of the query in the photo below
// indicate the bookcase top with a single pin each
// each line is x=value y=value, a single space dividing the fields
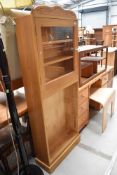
x=52 y=12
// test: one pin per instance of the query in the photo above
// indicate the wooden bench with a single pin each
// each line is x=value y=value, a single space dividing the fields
x=104 y=97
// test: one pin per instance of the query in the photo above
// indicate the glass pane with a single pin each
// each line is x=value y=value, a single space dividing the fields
x=57 y=51
x=56 y=33
x=57 y=70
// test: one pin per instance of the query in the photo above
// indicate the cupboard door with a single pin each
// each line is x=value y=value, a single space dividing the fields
x=58 y=54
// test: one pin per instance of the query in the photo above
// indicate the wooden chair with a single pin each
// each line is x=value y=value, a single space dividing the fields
x=6 y=146
x=104 y=97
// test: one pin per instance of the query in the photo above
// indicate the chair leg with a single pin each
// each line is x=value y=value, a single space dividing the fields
x=103 y=119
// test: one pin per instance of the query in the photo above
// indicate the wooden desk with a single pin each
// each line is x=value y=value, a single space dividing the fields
x=105 y=79
x=21 y=108
x=87 y=48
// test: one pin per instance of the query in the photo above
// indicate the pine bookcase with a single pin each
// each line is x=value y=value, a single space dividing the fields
x=47 y=42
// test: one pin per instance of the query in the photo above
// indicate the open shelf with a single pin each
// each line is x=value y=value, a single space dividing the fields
x=57 y=42
x=100 y=69
x=59 y=69
x=62 y=120
x=53 y=46
x=49 y=61
x=57 y=148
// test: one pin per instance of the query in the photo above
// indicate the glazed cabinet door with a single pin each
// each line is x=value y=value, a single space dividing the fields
x=56 y=42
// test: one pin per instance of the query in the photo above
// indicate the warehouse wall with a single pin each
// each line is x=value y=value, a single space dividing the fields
x=94 y=19
x=113 y=13
x=98 y=18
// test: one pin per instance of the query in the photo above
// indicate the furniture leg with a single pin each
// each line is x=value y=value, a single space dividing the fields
x=103 y=119
x=112 y=106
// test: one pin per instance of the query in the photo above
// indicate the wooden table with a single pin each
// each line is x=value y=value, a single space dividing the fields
x=20 y=104
x=84 y=93
x=87 y=48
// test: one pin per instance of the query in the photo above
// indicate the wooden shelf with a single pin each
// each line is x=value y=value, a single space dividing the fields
x=57 y=42
x=54 y=46
x=49 y=61
x=58 y=147
x=60 y=72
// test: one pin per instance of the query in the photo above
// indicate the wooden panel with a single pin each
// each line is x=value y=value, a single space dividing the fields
x=83 y=120
x=111 y=58
x=44 y=11
x=108 y=35
x=105 y=85
x=107 y=29
x=110 y=75
x=102 y=81
x=98 y=33
x=60 y=83
x=110 y=84
x=29 y=61
x=63 y=119
x=83 y=107
x=83 y=95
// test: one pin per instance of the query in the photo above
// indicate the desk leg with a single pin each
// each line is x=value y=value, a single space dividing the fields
x=103 y=119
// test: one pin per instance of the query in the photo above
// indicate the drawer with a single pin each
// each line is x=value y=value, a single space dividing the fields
x=110 y=75
x=83 y=96
x=101 y=82
x=104 y=79
x=83 y=120
x=84 y=107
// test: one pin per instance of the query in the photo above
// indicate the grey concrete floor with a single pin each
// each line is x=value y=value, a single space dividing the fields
x=96 y=154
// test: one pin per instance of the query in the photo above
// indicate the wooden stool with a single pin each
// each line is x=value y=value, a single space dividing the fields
x=104 y=97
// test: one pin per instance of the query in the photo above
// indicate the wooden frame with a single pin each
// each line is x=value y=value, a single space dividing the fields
x=83 y=51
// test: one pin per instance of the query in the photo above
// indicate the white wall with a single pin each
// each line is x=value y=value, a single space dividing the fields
x=94 y=3
x=113 y=14
x=94 y=19
x=98 y=19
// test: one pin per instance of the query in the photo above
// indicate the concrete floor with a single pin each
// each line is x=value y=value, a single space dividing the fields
x=96 y=154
